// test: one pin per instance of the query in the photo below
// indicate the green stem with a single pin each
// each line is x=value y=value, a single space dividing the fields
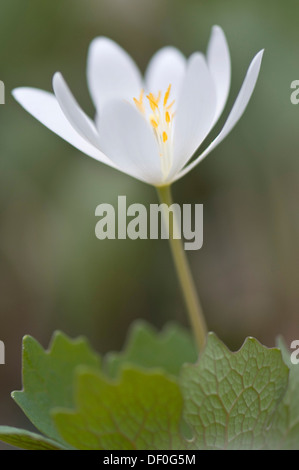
x=184 y=274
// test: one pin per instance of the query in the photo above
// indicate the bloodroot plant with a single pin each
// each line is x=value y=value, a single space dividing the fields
x=172 y=389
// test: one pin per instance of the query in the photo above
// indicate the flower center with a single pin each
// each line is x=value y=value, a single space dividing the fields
x=161 y=120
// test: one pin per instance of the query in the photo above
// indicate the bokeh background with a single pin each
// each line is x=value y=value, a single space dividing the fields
x=54 y=272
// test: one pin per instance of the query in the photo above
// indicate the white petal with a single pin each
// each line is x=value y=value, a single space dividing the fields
x=236 y=112
x=195 y=111
x=44 y=107
x=167 y=66
x=111 y=73
x=128 y=140
x=218 y=58
x=74 y=114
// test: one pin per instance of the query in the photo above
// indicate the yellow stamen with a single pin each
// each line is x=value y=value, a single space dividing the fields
x=170 y=105
x=153 y=101
x=139 y=103
x=154 y=123
x=167 y=95
x=160 y=120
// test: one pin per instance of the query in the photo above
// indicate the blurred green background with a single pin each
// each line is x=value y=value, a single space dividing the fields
x=55 y=274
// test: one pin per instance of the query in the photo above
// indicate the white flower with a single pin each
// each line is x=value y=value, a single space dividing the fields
x=147 y=128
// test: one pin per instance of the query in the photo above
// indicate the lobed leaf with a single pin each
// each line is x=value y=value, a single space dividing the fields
x=231 y=397
x=149 y=397
x=48 y=378
x=142 y=410
x=148 y=348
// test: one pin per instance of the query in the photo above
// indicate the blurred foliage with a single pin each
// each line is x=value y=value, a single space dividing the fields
x=55 y=274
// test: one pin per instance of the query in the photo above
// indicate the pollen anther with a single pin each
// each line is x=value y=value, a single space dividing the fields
x=139 y=103
x=167 y=95
x=154 y=123
x=160 y=118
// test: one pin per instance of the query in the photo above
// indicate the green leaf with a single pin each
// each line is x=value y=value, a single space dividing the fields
x=48 y=378
x=27 y=440
x=150 y=400
x=141 y=410
x=230 y=397
x=147 y=348
x=284 y=432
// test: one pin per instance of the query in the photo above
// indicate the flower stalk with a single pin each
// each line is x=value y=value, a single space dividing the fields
x=193 y=305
